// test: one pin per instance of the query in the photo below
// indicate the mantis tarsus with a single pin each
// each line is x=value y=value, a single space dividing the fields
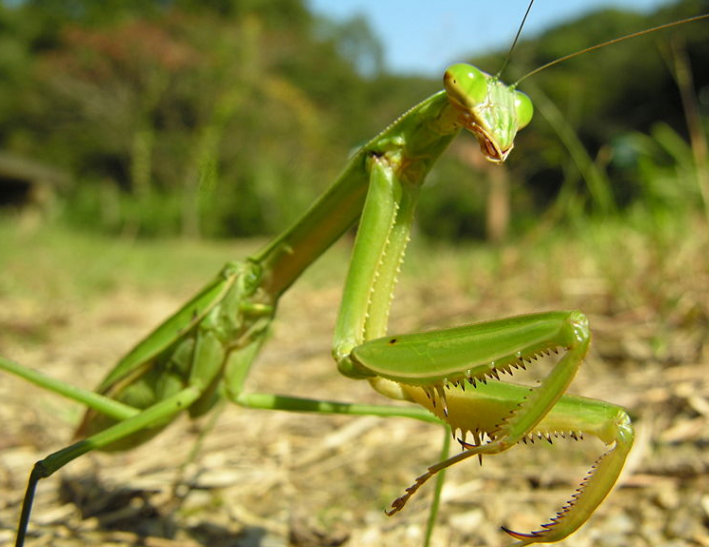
x=206 y=349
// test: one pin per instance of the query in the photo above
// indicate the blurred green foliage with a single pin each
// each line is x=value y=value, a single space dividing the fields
x=606 y=95
x=228 y=117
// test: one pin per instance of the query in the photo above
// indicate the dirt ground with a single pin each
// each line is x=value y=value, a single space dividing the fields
x=271 y=479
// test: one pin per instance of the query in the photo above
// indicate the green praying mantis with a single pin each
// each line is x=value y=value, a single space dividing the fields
x=205 y=351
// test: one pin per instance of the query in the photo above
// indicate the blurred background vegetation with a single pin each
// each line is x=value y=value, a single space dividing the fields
x=226 y=118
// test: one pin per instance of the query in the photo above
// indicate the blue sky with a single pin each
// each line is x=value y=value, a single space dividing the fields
x=420 y=39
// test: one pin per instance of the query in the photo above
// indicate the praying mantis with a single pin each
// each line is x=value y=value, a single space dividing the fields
x=205 y=351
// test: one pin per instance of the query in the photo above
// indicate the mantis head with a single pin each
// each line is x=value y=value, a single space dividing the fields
x=489 y=109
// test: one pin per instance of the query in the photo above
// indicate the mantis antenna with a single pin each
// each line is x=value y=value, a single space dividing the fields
x=604 y=44
x=514 y=42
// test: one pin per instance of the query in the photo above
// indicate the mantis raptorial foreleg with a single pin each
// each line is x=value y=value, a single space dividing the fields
x=428 y=367
x=495 y=402
x=498 y=415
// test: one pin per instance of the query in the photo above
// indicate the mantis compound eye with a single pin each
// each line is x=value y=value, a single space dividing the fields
x=466 y=85
x=524 y=109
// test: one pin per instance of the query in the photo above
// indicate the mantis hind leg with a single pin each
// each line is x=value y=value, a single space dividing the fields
x=139 y=422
